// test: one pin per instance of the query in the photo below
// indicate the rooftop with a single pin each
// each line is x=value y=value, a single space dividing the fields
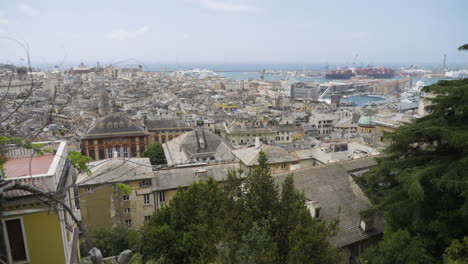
x=116 y=170
x=27 y=166
x=333 y=188
x=249 y=156
x=173 y=178
x=115 y=125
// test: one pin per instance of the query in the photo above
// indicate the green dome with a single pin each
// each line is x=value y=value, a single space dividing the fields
x=366 y=120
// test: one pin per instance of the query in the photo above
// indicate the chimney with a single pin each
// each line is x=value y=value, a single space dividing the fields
x=314 y=209
x=258 y=144
x=367 y=223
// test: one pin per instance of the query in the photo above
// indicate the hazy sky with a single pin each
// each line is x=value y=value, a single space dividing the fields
x=393 y=31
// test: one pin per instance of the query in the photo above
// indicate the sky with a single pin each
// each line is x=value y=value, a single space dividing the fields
x=229 y=31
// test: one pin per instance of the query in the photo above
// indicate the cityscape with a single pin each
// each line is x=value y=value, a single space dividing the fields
x=352 y=159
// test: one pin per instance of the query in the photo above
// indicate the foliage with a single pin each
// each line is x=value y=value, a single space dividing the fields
x=399 y=247
x=246 y=220
x=457 y=252
x=111 y=241
x=79 y=161
x=463 y=47
x=124 y=188
x=421 y=183
x=155 y=153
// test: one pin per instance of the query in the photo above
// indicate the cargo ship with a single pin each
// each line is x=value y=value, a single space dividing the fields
x=378 y=73
x=339 y=74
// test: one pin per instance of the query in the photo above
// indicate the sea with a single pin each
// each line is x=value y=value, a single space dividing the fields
x=256 y=75
x=361 y=100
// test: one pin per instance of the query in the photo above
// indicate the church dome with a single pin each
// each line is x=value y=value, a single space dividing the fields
x=366 y=121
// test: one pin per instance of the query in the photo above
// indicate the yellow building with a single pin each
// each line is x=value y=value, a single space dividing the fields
x=279 y=160
x=227 y=106
x=366 y=122
x=167 y=181
x=36 y=230
x=104 y=204
x=244 y=133
x=388 y=123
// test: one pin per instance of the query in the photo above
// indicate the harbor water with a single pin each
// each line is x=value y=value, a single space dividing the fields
x=256 y=76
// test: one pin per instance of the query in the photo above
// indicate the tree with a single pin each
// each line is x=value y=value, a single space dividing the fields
x=245 y=220
x=155 y=153
x=399 y=247
x=457 y=252
x=421 y=182
x=463 y=47
x=111 y=241
x=188 y=230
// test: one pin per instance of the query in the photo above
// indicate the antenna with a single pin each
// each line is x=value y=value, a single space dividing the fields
x=444 y=65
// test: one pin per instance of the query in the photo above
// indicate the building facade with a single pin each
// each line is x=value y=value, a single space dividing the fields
x=115 y=132
x=165 y=130
x=39 y=230
x=104 y=204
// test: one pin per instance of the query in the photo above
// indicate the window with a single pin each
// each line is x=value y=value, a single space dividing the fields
x=125 y=152
x=317 y=212
x=16 y=240
x=144 y=183
x=146 y=199
x=283 y=165
x=381 y=138
x=133 y=152
x=147 y=217
x=124 y=139
x=109 y=153
x=89 y=189
x=162 y=197
x=132 y=139
x=127 y=210
x=100 y=141
x=142 y=149
x=141 y=139
x=128 y=222
x=126 y=198
x=91 y=153
x=102 y=154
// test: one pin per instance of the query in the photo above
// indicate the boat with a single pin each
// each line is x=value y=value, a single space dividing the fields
x=378 y=73
x=339 y=74
x=349 y=103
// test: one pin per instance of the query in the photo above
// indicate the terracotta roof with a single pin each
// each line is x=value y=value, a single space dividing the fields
x=19 y=167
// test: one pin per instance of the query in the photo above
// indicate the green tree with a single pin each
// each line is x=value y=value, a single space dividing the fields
x=399 y=247
x=463 y=47
x=457 y=252
x=421 y=183
x=241 y=221
x=257 y=246
x=155 y=153
x=186 y=231
x=111 y=241
x=262 y=197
